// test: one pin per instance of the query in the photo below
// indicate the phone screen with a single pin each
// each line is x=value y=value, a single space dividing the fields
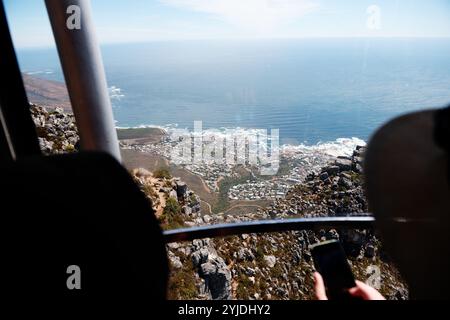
x=331 y=262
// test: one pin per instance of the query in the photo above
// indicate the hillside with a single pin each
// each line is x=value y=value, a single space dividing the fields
x=45 y=92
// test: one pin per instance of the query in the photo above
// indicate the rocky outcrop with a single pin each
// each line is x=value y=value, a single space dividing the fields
x=270 y=261
x=181 y=189
x=158 y=190
x=56 y=130
x=336 y=191
x=213 y=276
x=212 y=269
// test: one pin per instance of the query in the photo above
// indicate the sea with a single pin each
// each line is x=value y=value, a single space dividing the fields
x=317 y=92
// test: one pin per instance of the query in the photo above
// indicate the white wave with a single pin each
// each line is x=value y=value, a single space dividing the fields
x=115 y=93
x=303 y=159
x=339 y=147
x=33 y=73
x=224 y=133
x=336 y=148
x=166 y=128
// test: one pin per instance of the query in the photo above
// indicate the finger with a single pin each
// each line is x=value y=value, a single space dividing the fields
x=361 y=290
x=365 y=292
x=357 y=292
x=319 y=287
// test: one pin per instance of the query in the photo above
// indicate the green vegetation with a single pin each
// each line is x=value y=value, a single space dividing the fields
x=193 y=199
x=70 y=148
x=245 y=287
x=150 y=191
x=224 y=186
x=356 y=177
x=284 y=168
x=259 y=254
x=171 y=217
x=182 y=282
x=162 y=173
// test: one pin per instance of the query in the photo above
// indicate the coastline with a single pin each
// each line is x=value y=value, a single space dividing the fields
x=221 y=188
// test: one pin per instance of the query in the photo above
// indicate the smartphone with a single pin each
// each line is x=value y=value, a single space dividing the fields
x=331 y=262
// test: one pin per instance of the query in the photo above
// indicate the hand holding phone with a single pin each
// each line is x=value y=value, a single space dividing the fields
x=331 y=262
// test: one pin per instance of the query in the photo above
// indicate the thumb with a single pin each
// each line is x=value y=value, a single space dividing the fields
x=365 y=292
x=319 y=287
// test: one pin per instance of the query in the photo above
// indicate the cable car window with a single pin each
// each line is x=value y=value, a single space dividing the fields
x=234 y=111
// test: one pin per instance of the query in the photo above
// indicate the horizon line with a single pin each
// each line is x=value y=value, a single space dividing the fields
x=106 y=43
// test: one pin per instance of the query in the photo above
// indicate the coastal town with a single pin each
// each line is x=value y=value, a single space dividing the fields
x=260 y=190
x=297 y=162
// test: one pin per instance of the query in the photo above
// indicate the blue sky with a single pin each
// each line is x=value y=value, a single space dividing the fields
x=148 y=20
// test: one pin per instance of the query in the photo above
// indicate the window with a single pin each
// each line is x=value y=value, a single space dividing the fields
x=233 y=111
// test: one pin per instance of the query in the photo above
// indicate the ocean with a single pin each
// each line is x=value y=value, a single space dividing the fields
x=315 y=91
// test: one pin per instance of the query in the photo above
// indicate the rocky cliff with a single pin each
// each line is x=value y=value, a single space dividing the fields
x=56 y=130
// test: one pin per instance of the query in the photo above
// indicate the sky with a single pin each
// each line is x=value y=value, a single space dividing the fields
x=121 y=21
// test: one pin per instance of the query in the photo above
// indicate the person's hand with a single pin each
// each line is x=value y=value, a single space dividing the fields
x=319 y=287
x=361 y=290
